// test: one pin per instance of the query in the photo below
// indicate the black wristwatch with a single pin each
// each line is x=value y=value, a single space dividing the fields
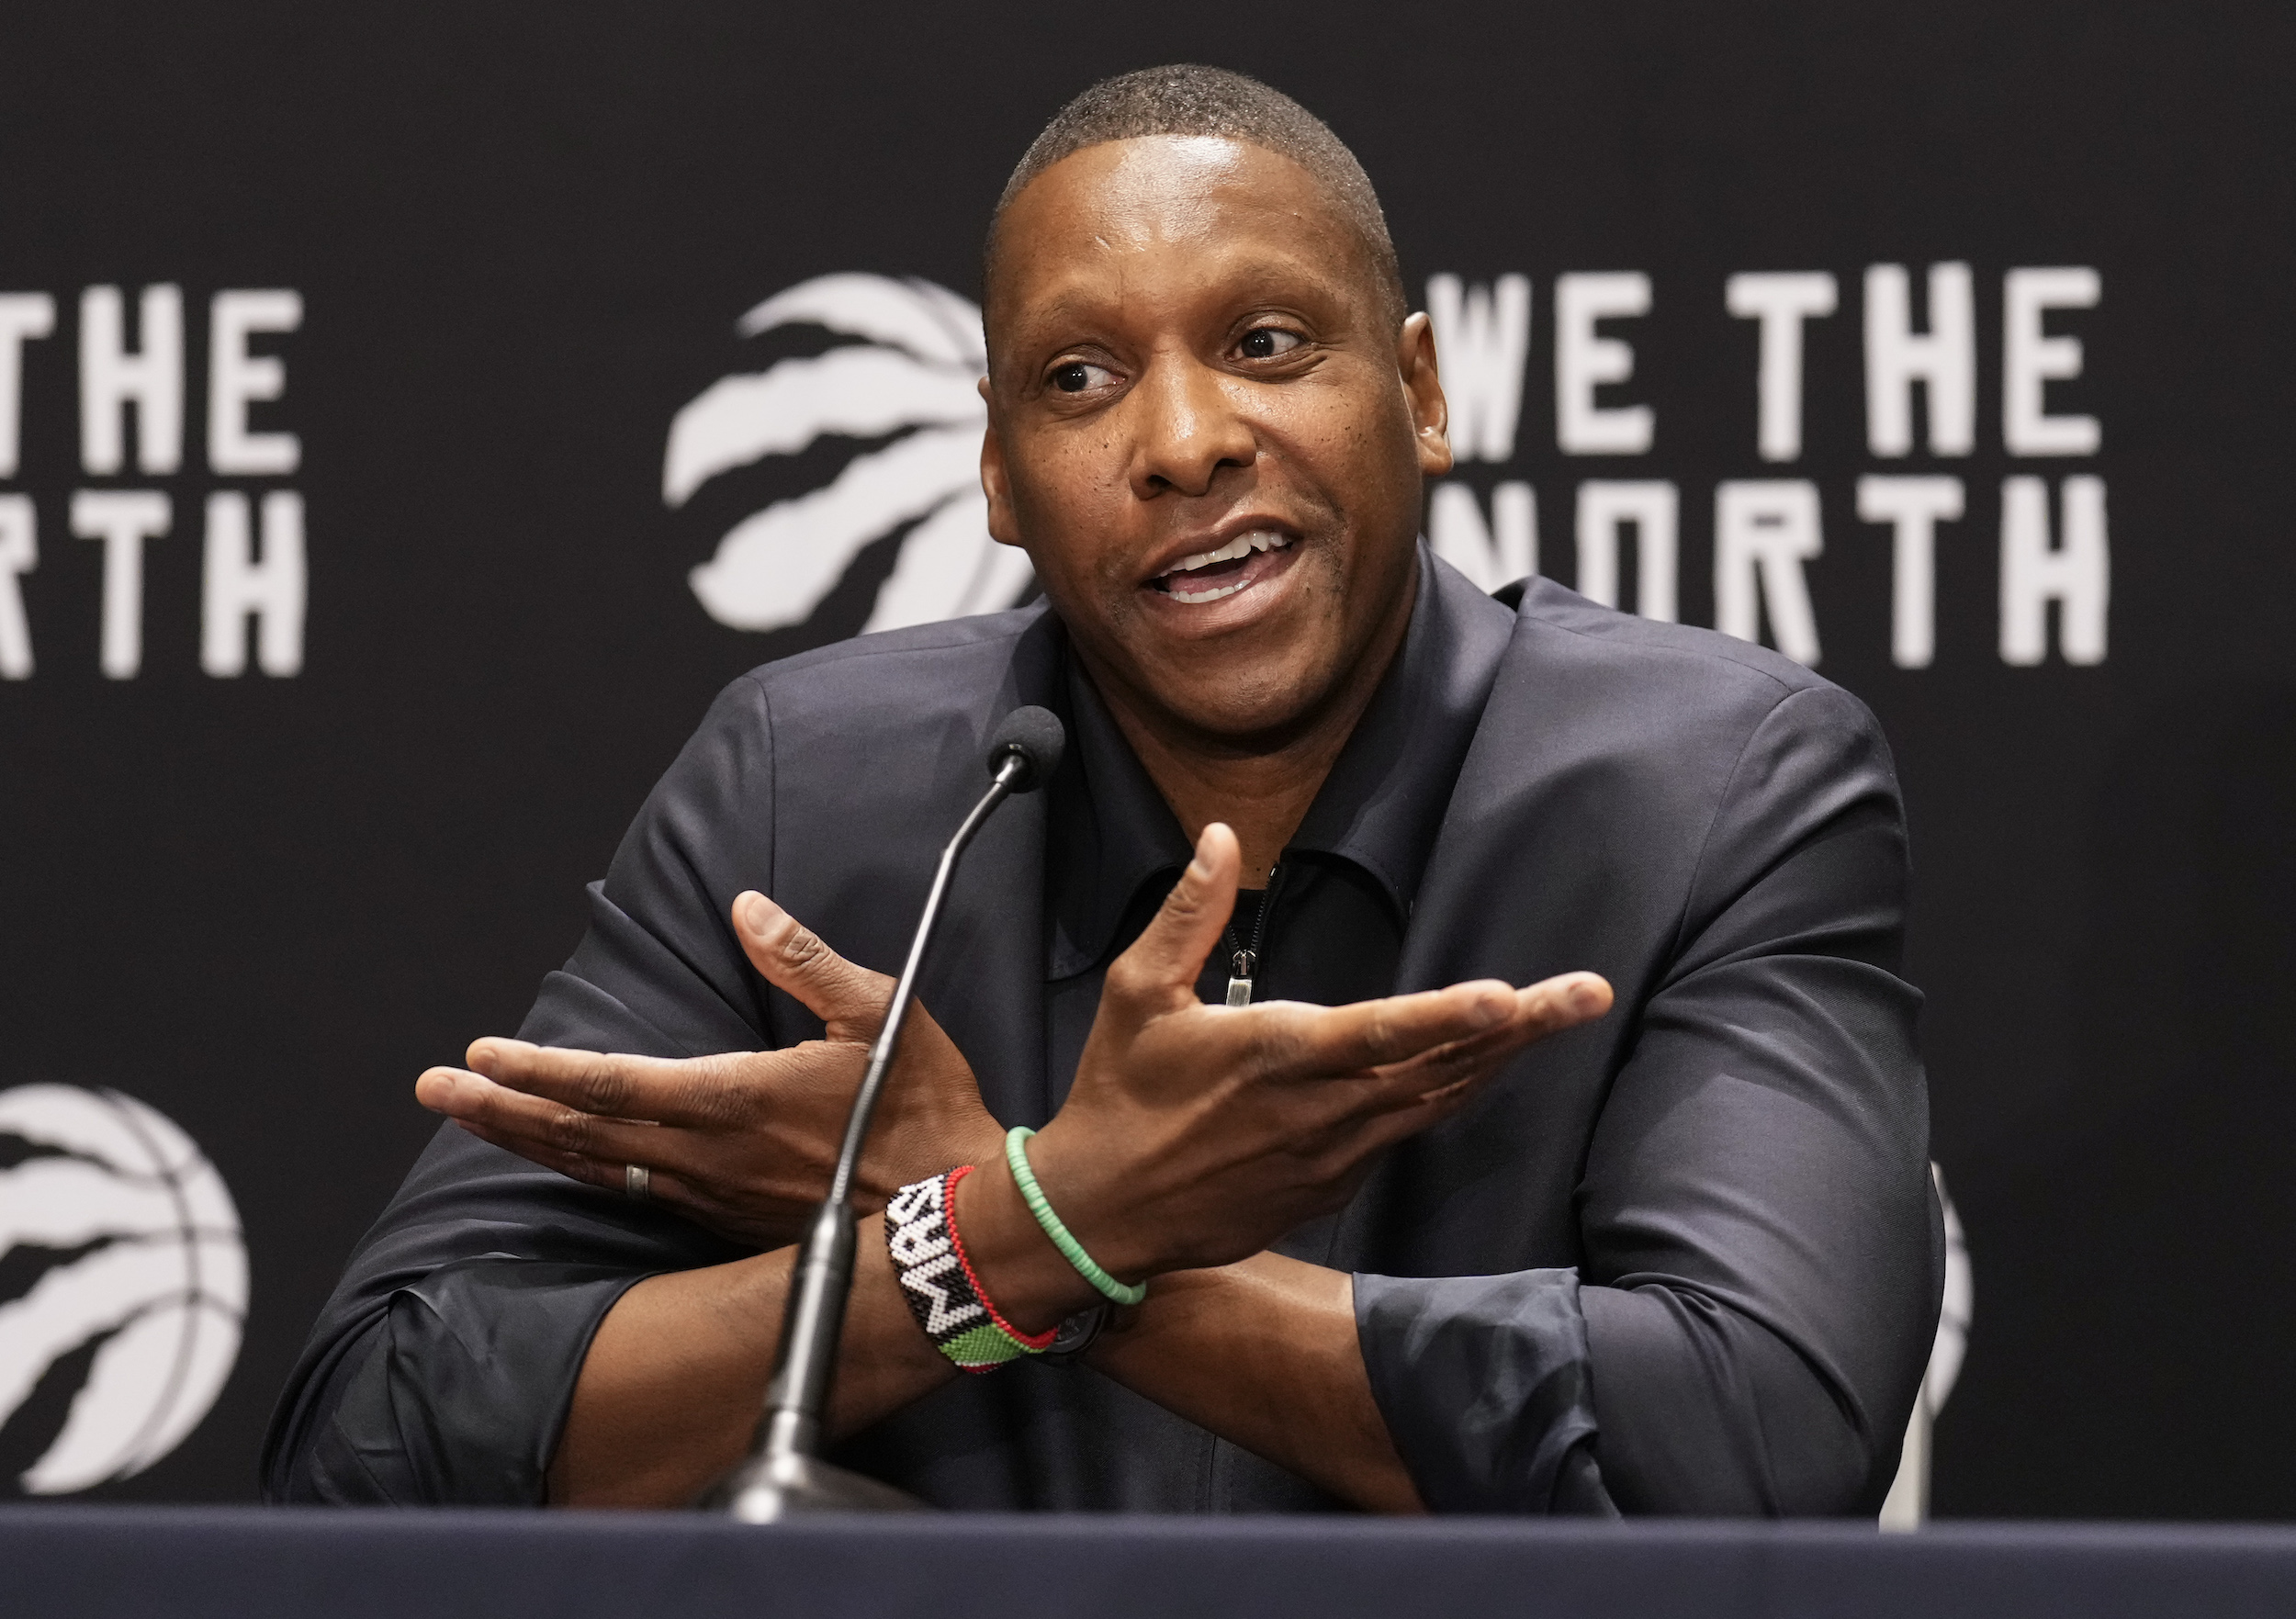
x=1076 y=1336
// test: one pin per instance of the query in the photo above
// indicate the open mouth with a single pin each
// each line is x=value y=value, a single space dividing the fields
x=1212 y=575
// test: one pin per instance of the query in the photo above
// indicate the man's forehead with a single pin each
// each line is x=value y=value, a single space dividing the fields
x=1160 y=174
x=1235 y=209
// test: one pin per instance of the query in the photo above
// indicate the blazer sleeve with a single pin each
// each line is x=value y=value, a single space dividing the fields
x=441 y=1370
x=1761 y=1260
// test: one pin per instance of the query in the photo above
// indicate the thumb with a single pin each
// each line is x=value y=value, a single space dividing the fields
x=1162 y=967
x=790 y=956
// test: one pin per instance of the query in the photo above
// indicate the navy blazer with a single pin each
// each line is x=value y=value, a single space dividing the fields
x=1685 y=1259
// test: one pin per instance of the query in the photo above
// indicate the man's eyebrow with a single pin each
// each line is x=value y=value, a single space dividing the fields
x=1069 y=303
x=1082 y=299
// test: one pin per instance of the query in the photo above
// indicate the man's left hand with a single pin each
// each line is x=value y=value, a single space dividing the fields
x=743 y=1142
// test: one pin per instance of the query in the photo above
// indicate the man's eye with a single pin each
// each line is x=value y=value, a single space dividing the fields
x=1075 y=376
x=1267 y=342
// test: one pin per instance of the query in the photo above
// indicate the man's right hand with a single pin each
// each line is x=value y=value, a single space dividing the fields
x=1196 y=1135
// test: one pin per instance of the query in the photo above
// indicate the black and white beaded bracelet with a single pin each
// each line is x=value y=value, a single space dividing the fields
x=937 y=1280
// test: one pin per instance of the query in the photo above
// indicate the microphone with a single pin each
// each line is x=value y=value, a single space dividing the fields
x=782 y=1477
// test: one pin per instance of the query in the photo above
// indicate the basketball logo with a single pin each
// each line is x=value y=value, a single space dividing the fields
x=909 y=396
x=134 y=1250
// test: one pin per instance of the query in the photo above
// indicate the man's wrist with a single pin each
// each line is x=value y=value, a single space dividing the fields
x=1016 y=1262
x=1094 y=1200
x=983 y=1146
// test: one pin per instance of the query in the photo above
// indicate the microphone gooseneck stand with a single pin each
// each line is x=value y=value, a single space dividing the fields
x=784 y=1476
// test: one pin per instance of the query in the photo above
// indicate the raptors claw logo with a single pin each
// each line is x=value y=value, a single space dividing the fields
x=913 y=378
x=150 y=1269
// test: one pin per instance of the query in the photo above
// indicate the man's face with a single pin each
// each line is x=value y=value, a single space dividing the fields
x=1206 y=432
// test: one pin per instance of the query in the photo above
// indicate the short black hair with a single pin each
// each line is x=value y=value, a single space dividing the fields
x=1186 y=99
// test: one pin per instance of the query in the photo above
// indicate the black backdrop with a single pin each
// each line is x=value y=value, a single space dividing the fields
x=521 y=239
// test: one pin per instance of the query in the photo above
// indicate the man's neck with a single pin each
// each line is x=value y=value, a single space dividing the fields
x=1262 y=789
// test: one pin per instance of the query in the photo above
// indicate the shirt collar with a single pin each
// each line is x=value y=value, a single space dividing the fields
x=1109 y=830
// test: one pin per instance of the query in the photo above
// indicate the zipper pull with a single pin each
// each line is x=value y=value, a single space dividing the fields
x=1240 y=971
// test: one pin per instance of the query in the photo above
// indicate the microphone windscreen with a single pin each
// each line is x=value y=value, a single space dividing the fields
x=1037 y=737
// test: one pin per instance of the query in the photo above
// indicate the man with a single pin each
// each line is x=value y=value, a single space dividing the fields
x=1412 y=1238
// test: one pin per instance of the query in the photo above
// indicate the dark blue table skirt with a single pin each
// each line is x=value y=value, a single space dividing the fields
x=250 y=1564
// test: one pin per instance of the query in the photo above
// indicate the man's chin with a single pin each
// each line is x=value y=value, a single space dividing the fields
x=1248 y=705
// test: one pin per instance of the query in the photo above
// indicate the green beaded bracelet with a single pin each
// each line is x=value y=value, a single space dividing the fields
x=1071 y=1250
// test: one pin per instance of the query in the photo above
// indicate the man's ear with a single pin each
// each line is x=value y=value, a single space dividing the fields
x=1430 y=413
x=1002 y=526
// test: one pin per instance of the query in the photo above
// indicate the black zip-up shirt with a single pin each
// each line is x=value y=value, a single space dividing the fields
x=1683 y=1260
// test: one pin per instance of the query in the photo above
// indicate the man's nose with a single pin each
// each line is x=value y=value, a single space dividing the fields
x=1186 y=427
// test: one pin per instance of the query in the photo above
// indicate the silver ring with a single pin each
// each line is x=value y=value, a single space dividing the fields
x=637 y=1183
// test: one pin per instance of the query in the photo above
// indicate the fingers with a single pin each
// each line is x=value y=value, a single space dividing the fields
x=662 y=1090
x=599 y=1152
x=545 y=1130
x=1161 y=968
x=1568 y=1000
x=1439 y=1036
x=790 y=956
x=1374 y=1034
x=1449 y=1074
x=662 y=1187
x=1547 y=1007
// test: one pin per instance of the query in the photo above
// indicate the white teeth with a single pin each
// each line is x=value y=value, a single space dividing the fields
x=1193 y=597
x=1241 y=545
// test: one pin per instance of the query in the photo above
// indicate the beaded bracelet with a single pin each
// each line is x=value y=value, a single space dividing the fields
x=937 y=1282
x=1016 y=1155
